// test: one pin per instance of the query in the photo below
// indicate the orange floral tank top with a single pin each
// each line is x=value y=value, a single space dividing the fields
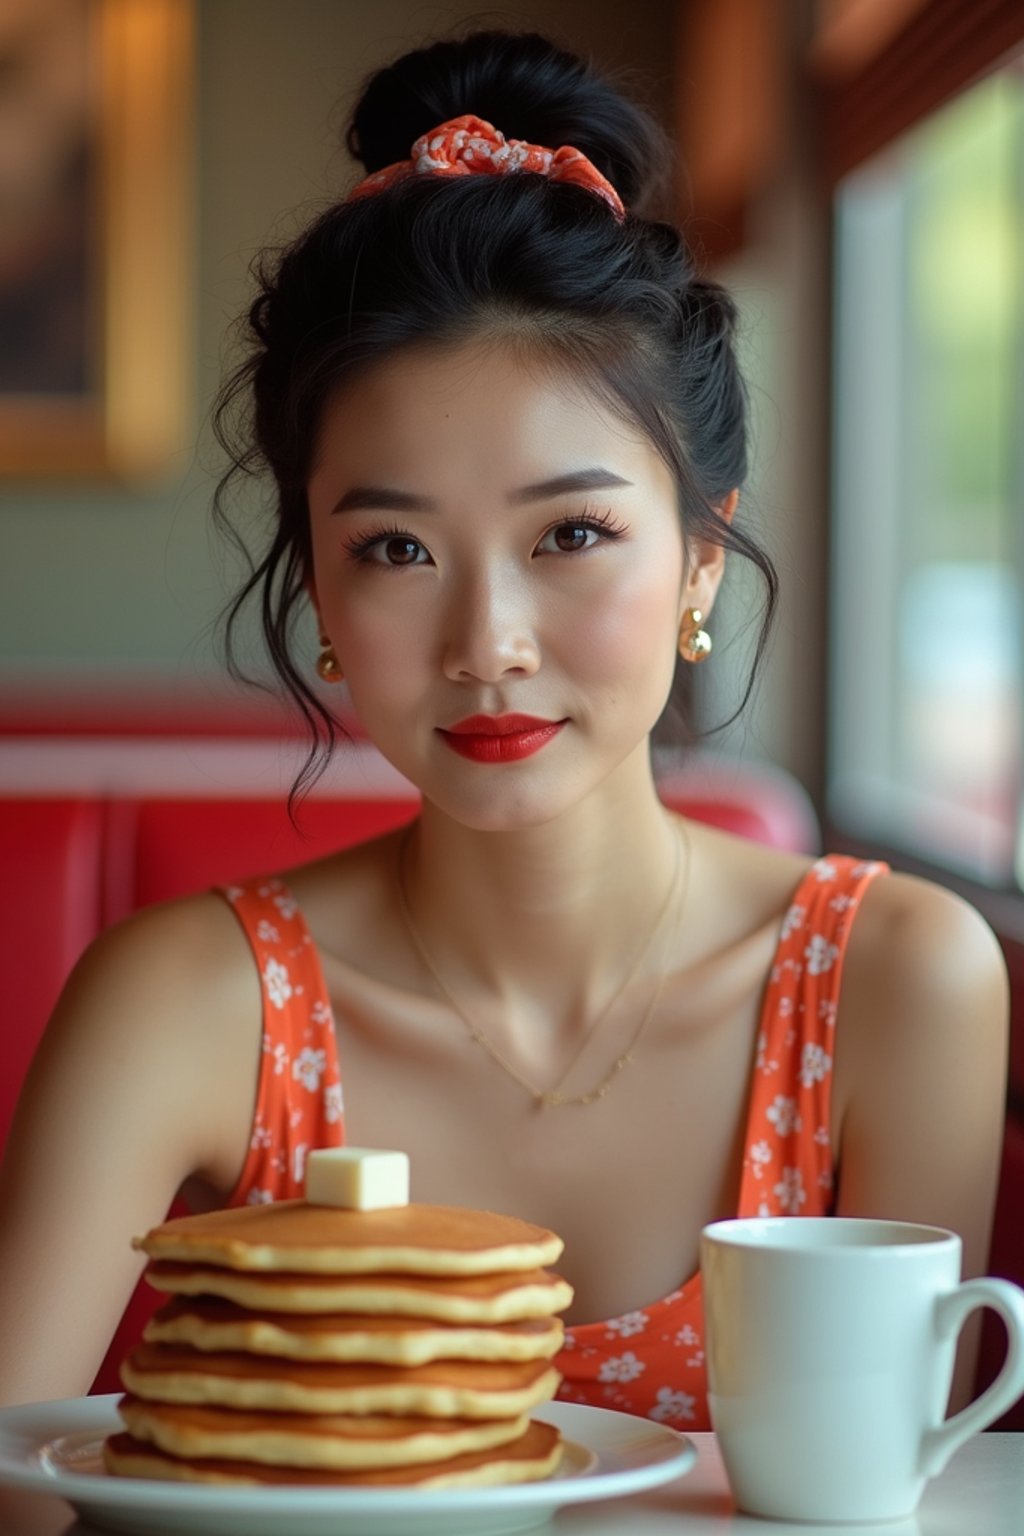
x=649 y=1361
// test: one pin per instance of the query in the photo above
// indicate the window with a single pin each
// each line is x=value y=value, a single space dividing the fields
x=927 y=601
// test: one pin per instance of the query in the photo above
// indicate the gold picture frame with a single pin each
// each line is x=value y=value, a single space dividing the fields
x=111 y=398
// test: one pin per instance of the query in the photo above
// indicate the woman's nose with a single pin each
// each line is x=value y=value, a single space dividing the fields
x=490 y=630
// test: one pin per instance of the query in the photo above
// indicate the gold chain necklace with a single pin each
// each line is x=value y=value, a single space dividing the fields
x=551 y=1098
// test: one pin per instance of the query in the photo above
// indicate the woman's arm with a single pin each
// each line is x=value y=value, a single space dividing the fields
x=146 y=1076
x=921 y=1062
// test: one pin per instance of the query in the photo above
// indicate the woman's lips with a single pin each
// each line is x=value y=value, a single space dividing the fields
x=500 y=738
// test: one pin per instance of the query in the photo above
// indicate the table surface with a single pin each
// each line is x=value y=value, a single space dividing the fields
x=981 y=1493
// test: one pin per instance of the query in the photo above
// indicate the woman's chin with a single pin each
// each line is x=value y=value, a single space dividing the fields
x=497 y=814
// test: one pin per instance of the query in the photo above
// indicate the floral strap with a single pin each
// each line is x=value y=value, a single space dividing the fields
x=299 y=1098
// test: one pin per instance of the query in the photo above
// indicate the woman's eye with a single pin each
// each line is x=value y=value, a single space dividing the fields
x=568 y=538
x=397 y=551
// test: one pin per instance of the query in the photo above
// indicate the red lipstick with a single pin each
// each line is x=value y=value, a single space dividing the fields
x=500 y=738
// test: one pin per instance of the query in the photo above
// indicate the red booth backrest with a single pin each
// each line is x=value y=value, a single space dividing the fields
x=160 y=849
x=50 y=905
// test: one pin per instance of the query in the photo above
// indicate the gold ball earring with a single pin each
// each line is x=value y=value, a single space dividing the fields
x=694 y=642
x=327 y=664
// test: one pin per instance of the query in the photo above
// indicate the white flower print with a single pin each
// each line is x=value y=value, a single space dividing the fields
x=286 y=905
x=234 y=892
x=793 y=920
x=320 y=1013
x=275 y=980
x=815 y=1064
x=825 y=1179
x=764 y=1063
x=824 y=871
x=821 y=1136
x=827 y=1012
x=784 y=1115
x=842 y=902
x=672 y=1405
x=790 y=1191
x=261 y=1138
x=625 y=1367
x=279 y=1051
x=820 y=955
x=687 y=1335
x=760 y=1156
x=299 y=1161
x=867 y=868
x=785 y=1008
x=259 y=1197
x=626 y=1325
x=764 y=1209
x=333 y=1103
x=267 y=932
x=308 y=1068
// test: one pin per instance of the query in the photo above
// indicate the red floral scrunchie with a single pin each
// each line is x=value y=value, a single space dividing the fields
x=469 y=146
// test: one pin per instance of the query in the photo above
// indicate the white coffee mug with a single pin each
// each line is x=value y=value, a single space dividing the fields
x=830 y=1347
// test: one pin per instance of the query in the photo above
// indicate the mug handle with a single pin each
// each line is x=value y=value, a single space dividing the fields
x=952 y=1312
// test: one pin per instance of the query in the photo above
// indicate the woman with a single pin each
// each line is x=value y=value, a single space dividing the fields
x=506 y=430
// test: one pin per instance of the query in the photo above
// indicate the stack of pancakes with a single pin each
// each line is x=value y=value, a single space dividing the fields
x=334 y=1347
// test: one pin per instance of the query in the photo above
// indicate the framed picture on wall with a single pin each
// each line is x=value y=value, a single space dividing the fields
x=96 y=124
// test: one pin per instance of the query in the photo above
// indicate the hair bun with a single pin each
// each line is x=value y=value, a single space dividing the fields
x=528 y=89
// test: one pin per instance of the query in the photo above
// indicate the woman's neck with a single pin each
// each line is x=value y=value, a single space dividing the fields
x=546 y=921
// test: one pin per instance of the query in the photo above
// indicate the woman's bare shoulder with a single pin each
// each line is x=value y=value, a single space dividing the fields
x=191 y=947
x=922 y=1028
x=170 y=987
x=919 y=949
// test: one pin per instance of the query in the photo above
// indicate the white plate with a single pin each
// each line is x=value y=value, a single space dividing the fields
x=55 y=1448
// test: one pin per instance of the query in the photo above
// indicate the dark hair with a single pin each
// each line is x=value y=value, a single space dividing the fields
x=541 y=265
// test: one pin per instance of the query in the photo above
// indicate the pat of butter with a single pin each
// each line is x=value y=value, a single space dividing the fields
x=357 y=1178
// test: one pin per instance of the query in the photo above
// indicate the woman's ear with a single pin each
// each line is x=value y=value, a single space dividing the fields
x=707 y=564
x=727 y=506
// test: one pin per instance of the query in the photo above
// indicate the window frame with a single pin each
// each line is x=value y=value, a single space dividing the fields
x=947 y=47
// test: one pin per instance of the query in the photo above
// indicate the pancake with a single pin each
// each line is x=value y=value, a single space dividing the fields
x=498 y=1298
x=338 y=1442
x=315 y=1239
x=534 y=1455
x=210 y=1323
x=469 y=1389
x=353 y=1338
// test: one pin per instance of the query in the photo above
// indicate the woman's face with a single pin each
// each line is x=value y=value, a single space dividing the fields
x=456 y=579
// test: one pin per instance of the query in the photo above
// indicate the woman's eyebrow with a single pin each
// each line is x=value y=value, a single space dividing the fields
x=595 y=479
x=363 y=498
